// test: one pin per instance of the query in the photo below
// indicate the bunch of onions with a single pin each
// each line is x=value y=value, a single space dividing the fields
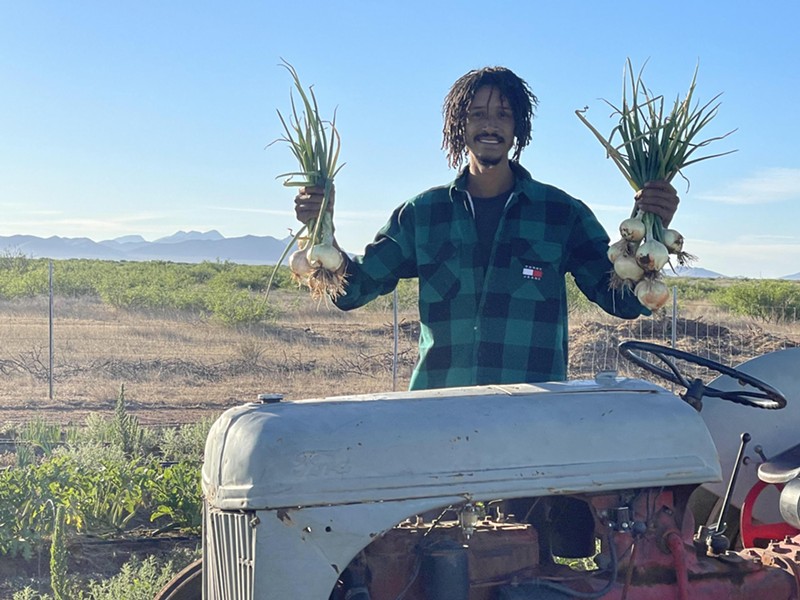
x=315 y=143
x=652 y=146
x=638 y=259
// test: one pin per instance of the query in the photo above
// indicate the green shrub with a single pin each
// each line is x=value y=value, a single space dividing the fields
x=137 y=580
x=407 y=297
x=577 y=303
x=693 y=289
x=768 y=300
x=58 y=558
x=177 y=496
x=129 y=433
x=122 y=432
x=28 y=593
x=239 y=307
x=228 y=292
x=186 y=443
x=37 y=437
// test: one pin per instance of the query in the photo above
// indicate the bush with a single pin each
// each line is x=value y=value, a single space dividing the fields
x=239 y=308
x=137 y=580
x=691 y=289
x=577 y=303
x=407 y=298
x=768 y=300
x=177 y=494
x=186 y=443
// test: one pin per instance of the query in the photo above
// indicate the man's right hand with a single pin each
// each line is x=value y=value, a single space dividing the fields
x=308 y=202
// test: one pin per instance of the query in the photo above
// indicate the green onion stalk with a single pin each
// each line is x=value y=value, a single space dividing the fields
x=649 y=144
x=315 y=143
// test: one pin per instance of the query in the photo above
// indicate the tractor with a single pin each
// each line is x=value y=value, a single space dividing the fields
x=610 y=489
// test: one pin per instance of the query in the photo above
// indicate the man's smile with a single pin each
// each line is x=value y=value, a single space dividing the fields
x=488 y=139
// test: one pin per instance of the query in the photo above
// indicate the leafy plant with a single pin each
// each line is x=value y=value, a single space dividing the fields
x=128 y=431
x=58 y=558
x=648 y=143
x=768 y=300
x=28 y=593
x=37 y=437
x=185 y=443
x=177 y=494
x=137 y=580
x=315 y=143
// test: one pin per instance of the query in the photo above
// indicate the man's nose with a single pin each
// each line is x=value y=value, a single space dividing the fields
x=491 y=123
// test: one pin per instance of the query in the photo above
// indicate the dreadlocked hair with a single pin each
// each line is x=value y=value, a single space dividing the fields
x=516 y=92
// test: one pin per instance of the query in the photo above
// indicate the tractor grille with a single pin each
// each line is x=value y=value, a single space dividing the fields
x=229 y=554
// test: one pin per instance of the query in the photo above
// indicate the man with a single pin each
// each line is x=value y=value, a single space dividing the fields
x=491 y=248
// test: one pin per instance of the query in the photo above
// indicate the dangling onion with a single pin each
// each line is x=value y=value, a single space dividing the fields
x=628 y=269
x=652 y=255
x=632 y=229
x=617 y=249
x=673 y=241
x=652 y=293
x=298 y=263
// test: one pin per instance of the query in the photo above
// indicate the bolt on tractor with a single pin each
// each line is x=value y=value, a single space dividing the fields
x=608 y=489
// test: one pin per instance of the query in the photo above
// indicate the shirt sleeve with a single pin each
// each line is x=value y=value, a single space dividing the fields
x=588 y=262
x=387 y=259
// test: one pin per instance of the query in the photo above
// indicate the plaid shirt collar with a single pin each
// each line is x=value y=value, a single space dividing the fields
x=525 y=186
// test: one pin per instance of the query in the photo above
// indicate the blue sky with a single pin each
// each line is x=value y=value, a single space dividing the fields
x=147 y=117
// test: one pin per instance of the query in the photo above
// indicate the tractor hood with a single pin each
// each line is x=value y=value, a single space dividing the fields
x=486 y=442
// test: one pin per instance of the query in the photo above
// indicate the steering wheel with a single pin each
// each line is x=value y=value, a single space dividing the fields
x=762 y=396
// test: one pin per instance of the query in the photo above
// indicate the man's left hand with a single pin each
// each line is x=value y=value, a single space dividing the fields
x=660 y=198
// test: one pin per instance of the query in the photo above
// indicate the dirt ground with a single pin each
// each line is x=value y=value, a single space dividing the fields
x=177 y=369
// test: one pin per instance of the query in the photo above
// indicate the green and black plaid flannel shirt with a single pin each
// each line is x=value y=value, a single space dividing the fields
x=509 y=323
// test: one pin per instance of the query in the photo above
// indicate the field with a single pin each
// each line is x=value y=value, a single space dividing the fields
x=179 y=367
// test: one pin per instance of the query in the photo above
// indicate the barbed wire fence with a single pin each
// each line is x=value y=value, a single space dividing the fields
x=37 y=344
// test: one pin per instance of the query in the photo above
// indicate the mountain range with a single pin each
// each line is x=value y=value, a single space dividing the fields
x=183 y=246
x=192 y=247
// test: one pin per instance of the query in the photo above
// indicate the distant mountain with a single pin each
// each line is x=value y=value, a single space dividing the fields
x=185 y=236
x=195 y=247
x=693 y=272
x=189 y=247
x=126 y=239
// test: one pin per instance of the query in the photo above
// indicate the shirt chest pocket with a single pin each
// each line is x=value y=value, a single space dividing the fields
x=535 y=269
x=438 y=266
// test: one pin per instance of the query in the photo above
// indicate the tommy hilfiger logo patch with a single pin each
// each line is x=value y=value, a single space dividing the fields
x=531 y=272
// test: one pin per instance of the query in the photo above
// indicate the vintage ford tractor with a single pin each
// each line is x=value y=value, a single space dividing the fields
x=552 y=491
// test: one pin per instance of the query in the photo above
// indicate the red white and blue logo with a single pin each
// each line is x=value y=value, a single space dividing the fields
x=531 y=272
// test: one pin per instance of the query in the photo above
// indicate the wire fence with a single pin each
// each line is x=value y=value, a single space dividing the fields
x=44 y=347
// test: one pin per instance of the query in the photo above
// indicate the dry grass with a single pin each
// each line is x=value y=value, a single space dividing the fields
x=178 y=368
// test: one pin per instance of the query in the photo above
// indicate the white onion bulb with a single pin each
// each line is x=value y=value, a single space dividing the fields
x=632 y=229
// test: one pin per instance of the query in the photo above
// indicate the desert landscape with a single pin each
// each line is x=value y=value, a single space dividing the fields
x=179 y=368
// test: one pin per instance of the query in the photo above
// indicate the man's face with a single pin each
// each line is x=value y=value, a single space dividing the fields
x=489 y=129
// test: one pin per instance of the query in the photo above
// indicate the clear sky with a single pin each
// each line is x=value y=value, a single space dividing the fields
x=148 y=117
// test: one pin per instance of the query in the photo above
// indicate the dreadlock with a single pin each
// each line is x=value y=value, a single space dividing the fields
x=516 y=92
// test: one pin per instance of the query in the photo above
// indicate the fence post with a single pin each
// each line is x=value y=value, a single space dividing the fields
x=674 y=337
x=396 y=334
x=50 y=323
